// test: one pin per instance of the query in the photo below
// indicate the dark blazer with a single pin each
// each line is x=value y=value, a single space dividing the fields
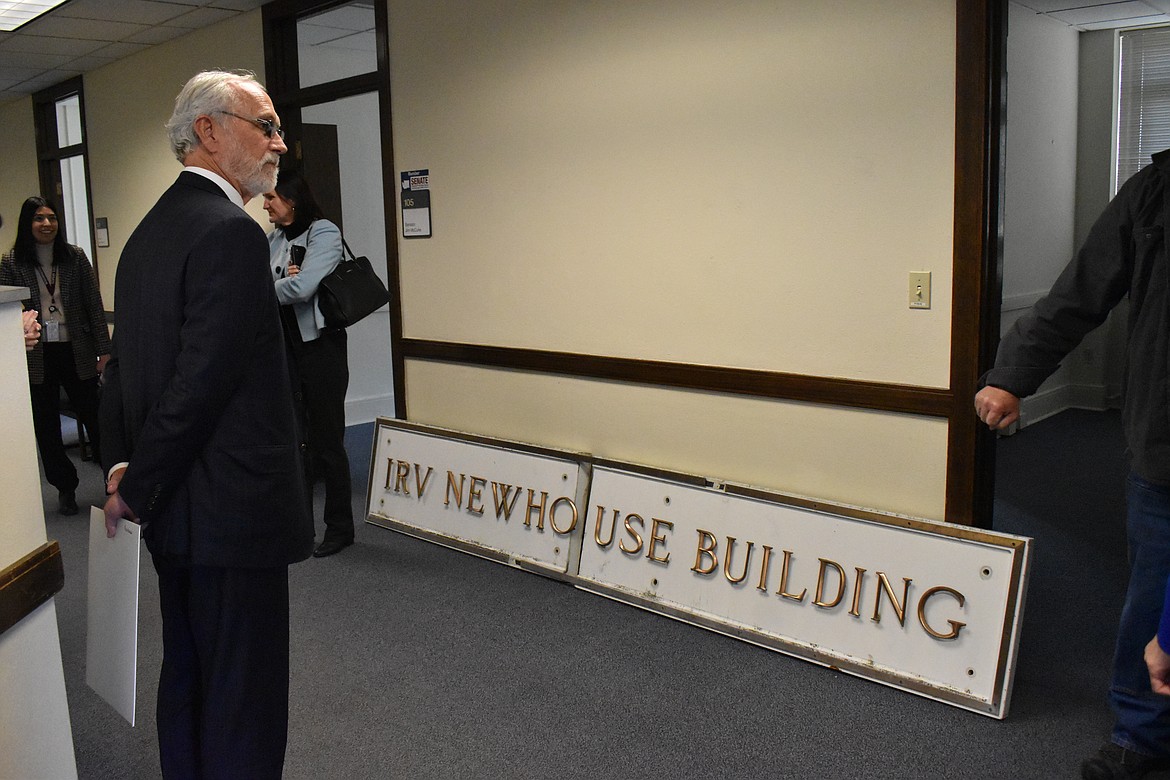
x=196 y=394
x=88 y=333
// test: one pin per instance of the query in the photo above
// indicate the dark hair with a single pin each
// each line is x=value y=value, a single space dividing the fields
x=293 y=187
x=25 y=248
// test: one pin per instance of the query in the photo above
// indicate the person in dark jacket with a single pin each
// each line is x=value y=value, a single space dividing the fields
x=1124 y=254
x=74 y=344
x=201 y=438
x=304 y=249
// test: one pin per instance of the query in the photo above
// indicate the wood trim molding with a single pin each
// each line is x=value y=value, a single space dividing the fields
x=29 y=583
x=909 y=399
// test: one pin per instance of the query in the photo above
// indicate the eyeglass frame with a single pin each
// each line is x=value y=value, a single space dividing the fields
x=267 y=126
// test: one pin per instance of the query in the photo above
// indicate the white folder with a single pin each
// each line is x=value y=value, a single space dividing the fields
x=111 y=648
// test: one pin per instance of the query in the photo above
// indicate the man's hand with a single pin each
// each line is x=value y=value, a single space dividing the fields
x=116 y=508
x=996 y=407
x=1158 y=662
x=101 y=363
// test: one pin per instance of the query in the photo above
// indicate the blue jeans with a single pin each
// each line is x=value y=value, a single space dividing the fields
x=1143 y=717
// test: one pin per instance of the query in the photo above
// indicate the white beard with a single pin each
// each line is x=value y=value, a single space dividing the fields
x=256 y=177
x=262 y=178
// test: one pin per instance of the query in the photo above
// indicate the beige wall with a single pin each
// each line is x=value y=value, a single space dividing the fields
x=130 y=161
x=736 y=183
x=733 y=183
x=18 y=164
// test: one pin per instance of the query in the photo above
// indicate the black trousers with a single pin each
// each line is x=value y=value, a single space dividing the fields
x=60 y=371
x=321 y=377
x=223 y=690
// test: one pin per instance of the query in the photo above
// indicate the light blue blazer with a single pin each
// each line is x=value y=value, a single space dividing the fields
x=322 y=242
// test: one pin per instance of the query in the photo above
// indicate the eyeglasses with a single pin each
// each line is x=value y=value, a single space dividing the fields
x=267 y=125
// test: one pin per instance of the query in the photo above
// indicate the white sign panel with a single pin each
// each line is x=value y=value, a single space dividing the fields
x=925 y=606
x=510 y=502
x=928 y=607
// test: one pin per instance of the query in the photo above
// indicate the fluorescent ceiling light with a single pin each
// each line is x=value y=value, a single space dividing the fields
x=14 y=13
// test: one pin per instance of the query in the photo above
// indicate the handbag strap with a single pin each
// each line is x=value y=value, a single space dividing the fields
x=352 y=256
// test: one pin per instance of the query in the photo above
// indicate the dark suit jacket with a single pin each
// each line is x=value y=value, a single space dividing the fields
x=196 y=394
x=88 y=333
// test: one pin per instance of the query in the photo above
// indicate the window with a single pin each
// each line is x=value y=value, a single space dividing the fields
x=1143 y=114
x=61 y=150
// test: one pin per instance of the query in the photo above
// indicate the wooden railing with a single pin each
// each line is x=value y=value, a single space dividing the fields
x=29 y=583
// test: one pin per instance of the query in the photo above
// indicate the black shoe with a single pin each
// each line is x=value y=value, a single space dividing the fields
x=67 y=502
x=331 y=546
x=1114 y=762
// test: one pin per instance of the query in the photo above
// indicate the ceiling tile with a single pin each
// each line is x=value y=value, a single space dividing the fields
x=120 y=49
x=1087 y=14
x=92 y=29
x=47 y=45
x=239 y=6
x=156 y=35
x=197 y=18
x=48 y=78
x=137 y=11
x=1139 y=21
x=90 y=62
x=33 y=60
x=1048 y=6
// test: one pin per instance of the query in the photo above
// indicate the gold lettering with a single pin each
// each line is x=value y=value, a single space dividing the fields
x=400 y=485
x=421 y=486
x=955 y=625
x=899 y=607
x=597 y=527
x=655 y=538
x=552 y=515
x=503 y=505
x=476 y=494
x=452 y=487
x=747 y=561
x=783 y=591
x=707 y=546
x=389 y=473
x=540 y=507
x=631 y=518
x=764 y=567
x=820 y=599
x=855 y=610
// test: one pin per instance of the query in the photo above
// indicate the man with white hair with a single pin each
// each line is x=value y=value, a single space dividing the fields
x=202 y=449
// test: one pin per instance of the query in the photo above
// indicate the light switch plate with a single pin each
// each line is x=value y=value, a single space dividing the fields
x=920 y=289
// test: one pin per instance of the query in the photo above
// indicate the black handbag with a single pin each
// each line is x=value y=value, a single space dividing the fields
x=351 y=291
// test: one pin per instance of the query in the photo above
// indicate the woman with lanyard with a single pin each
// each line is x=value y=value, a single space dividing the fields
x=74 y=342
x=303 y=249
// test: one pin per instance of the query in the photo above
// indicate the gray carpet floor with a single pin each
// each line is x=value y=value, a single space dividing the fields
x=414 y=661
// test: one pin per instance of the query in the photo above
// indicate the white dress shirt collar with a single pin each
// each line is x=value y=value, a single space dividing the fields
x=227 y=188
